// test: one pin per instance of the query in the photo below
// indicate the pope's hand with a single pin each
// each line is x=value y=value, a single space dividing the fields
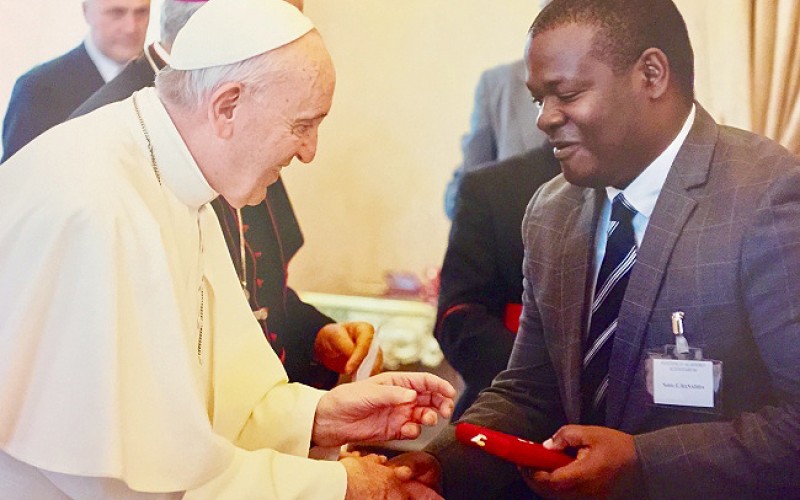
x=341 y=347
x=392 y=405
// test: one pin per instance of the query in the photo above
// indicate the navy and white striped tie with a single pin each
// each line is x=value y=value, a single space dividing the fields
x=612 y=281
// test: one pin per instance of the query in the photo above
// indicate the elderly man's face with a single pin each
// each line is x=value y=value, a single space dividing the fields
x=591 y=115
x=276 y=127
x=118 y=27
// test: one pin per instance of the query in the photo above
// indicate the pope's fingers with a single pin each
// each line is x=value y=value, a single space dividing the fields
x=425 y=416
x=443 y=405
x=410 y=430
x=391 y=395
x=420 y=382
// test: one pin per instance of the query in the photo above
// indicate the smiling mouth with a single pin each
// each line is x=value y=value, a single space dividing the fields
x=563 y=150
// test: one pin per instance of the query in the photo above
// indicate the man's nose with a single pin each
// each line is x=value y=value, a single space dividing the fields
x=550 y=116
x=308 y=148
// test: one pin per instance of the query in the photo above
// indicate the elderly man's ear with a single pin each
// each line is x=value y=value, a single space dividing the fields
x=222 y=108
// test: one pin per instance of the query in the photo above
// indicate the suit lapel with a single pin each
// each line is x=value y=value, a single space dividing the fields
x=566 y=340
x=675 y=204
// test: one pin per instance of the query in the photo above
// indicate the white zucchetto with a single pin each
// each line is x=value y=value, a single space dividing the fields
x=228 y=31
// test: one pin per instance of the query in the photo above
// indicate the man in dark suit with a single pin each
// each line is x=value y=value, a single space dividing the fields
x=46 y=95
x=711 y=216
x=480 y=292
x=313 y=347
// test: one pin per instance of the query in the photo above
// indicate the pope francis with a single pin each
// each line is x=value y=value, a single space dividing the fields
x=130 y=364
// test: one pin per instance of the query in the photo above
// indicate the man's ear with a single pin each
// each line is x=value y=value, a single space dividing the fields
x=222 y=108
x=653 y=66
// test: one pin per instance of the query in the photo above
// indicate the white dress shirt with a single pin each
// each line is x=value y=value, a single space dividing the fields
x=642 y=193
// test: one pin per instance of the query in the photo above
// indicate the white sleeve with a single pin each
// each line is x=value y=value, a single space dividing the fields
x=251 y=475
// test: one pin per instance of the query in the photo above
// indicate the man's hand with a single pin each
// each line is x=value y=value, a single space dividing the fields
x=391 y=405
x=368 y=478
x=606 y=465
x=418 y=466
x=341 y=347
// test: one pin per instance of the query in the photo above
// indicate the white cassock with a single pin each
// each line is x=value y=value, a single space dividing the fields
x=107 y=387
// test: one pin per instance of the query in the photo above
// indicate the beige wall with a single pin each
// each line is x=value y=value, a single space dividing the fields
x=406 y=70
x=372 y=200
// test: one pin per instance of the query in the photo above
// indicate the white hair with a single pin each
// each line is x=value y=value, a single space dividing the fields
x=174 y=15
x=191 y=89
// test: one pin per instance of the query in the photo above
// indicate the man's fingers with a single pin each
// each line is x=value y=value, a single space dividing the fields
x=539 y=482
x=403 y=472
x=359 y=336
x=419 y=491
x=570 y=436
x=424 y=467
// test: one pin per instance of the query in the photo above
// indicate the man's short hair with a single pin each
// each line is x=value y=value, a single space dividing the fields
x=625 y=29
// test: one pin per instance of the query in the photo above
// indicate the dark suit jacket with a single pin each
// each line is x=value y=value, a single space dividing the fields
x=482 y=269
x=273 y=238
x=722 y=245
x=46 y=95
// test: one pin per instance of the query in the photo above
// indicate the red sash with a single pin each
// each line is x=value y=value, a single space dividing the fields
x=511 y=318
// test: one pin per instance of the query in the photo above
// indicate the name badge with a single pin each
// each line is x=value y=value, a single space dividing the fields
x=679 y=377
x=683 y=383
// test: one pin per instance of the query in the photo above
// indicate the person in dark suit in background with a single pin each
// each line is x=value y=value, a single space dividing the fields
x=46 y=95
x=502 y=125
x=710 y=216
x=480 y=291
x=314 y=349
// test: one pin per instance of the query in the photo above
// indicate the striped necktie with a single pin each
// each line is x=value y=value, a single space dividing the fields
x=612 y=280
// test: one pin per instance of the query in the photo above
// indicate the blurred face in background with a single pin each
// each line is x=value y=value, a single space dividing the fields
x=117 y=27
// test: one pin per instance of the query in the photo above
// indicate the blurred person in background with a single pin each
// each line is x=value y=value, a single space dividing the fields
x=46 y=95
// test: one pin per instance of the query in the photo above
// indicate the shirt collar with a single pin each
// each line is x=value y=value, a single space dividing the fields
x=179 y=170
x=642 y=193
x=107 y=67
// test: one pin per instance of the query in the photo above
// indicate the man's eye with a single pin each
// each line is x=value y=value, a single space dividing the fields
x=301 y=129
x=117 y=13
x=537 y=102
x=570 y=96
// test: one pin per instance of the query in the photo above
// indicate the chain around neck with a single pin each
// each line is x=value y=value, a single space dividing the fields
x=147 y=138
